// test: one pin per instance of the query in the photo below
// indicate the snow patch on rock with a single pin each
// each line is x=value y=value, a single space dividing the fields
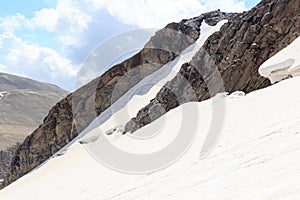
x=284 y=64
x=128 y=106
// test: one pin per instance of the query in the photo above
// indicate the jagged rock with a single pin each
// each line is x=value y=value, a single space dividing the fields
x=229 y=49
x=237 y=51
x=5 y=158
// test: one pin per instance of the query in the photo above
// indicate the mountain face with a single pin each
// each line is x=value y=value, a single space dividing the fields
x=23 y=105
x=257 y=158
x=237 y=50
x=74 y=113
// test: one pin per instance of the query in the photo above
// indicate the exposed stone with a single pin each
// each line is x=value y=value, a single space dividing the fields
x=237 y=51
x=75 y=112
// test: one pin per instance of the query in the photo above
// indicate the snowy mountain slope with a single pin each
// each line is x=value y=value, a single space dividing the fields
x=137 y=97
x=233 y=48
x=284 y=64
x=257 y=158
x=237 y=51
x=73 y=114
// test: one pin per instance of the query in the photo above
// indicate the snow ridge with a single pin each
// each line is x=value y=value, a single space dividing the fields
x=141 y=94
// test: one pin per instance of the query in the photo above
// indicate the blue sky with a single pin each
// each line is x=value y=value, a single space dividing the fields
x=48 y=40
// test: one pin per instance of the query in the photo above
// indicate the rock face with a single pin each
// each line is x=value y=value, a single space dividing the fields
x=236 y=51
x=75 y=112
x=166 y=46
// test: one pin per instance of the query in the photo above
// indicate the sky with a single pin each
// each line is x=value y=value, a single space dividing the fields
x=49 y=40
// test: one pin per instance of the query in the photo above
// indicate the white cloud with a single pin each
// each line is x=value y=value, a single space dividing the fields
x=71 y=18
x=157 y=13
x=2 y=68
x=68 y=20
x=11 y=23
x=6 y=36
x=46 y=18
x=80 y=26
x=37 y=62
x=226 y=5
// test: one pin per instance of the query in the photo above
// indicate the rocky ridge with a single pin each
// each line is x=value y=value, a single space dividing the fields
x=236 y=51
x=75 y=112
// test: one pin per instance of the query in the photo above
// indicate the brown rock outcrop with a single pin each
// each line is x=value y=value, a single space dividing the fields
x=75 y=112
x=237 y=51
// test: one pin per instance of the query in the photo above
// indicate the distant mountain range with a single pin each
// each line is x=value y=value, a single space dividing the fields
x=23 y=105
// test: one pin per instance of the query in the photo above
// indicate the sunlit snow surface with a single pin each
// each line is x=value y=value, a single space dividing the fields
x=283 y=64
x=258 y=157
x=140 y=95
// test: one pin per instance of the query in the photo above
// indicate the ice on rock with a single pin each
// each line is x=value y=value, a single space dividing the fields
x=284 y=64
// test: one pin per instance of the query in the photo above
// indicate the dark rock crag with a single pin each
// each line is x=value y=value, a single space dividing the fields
x=75 y=112
x=237 y=51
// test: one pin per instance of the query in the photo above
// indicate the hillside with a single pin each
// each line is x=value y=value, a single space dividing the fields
x=75 y=112
x=256 y=158
x=236 y=53
x=236 y=46
x=23 y=105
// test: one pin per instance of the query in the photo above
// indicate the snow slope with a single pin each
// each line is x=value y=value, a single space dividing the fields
x=258 y=157
x=284 y=64
x=140 y=95
x=172 y=68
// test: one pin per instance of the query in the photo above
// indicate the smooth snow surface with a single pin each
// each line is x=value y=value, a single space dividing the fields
x=258 y=157
x=283 y=64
